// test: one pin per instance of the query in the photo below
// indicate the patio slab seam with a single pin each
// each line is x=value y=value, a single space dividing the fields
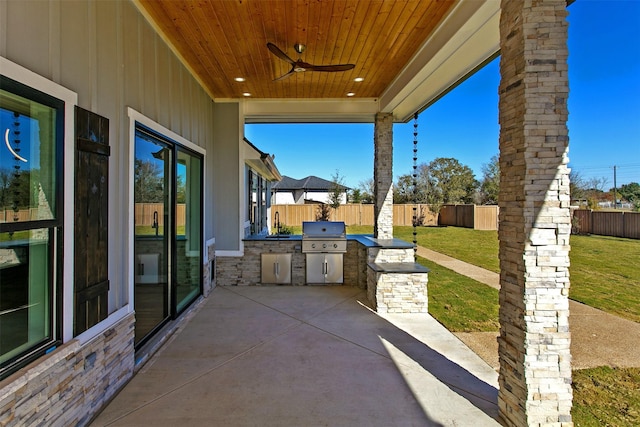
x=455 y=388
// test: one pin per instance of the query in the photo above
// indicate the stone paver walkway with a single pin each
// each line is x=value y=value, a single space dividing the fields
x=597 y=338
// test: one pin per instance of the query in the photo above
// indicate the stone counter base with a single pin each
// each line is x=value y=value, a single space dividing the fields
x=397 y=287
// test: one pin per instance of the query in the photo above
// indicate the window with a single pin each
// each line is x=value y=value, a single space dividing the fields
x=257 y=202
x=31 y=219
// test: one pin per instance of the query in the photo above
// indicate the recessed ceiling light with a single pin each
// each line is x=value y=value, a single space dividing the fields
x=350 y=94
x=239 y=79
x=246 y=94
x=358 y=79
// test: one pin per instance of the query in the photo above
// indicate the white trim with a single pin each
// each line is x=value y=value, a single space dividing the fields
x=135 y=116
x=107 y=323
x=229 y=253
x=70 y=99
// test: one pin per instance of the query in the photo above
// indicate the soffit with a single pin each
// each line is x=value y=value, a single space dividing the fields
x=405 y=50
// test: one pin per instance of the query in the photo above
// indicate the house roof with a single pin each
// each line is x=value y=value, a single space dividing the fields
x=264 y=164
x=310 y=183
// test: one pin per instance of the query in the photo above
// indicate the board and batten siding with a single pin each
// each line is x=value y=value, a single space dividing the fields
x=112 y=58
x=107 y=54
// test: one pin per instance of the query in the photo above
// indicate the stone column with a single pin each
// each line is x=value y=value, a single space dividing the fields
x=535 y=221
x=383 y=176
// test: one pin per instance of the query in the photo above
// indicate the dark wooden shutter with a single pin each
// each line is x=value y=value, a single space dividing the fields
x=91 y=282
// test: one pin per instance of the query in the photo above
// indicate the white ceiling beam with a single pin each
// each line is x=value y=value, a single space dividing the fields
x=357 y=110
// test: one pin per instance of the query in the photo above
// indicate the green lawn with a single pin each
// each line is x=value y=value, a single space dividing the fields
x=605 y=273
x=461 y=304
x=606 y=396
x=604 y=270
x=476 y=247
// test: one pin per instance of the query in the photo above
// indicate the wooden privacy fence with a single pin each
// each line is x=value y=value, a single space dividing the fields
x=470 y=216
x=144 y=213
x=616 y=224
x=21 y=215
x=482 y=217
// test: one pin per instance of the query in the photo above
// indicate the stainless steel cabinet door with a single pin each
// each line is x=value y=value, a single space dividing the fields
x=276 y=268
x=324 y=268
x=333 y=268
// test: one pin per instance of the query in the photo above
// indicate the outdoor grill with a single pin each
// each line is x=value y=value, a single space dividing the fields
x=324 y=236
x=324 y=242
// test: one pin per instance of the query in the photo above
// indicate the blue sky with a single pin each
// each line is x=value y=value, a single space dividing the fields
x=604 y=113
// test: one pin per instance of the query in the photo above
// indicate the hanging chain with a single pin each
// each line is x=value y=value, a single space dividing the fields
x=415 y=187
x=16 y=167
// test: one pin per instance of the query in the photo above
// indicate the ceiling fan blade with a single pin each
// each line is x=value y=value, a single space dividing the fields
x=330 y=68
x=279 y=53
x=284 y=76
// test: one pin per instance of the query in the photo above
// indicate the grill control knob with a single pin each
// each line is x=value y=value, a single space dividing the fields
x=335 y=246
x=313 y=245
x=324 y=246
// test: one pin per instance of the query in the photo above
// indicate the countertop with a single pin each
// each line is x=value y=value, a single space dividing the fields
x=364 y=239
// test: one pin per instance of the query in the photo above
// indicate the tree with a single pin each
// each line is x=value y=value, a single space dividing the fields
x=336 y=190
x=403 y=190
x=148 y=182
x=367 y=191
x=577 y=188
x=448 y=181
x=589 y=190
x=490 y=185
x=630 y=192
x=19 y=188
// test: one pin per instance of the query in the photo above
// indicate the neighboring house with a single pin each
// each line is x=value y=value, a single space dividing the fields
x=311 y=189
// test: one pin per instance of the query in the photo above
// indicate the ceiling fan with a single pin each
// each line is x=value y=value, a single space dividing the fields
x=300 y=66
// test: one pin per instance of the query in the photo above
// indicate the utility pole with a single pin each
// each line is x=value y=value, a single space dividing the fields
x=615 y=189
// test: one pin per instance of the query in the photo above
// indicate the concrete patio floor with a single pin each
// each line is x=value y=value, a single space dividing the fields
x=306 y=356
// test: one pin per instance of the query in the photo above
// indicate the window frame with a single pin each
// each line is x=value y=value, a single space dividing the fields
x=32 y=86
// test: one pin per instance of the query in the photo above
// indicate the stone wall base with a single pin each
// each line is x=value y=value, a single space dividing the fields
x=71 y=384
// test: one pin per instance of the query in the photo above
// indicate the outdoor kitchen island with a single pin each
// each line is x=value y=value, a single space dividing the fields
x=384 y=267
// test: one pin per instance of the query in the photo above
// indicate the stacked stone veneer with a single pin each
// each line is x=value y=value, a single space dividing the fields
x=383 y=176
x=397 y=291
x=355 y=265
x=245 y=270
x=71 y=384
x=535 y=221
x=395 y=284
x=208 y=270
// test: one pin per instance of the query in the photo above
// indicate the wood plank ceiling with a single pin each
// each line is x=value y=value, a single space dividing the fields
x=224 y=40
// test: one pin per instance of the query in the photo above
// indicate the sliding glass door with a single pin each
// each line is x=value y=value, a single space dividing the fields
x=153 y=239
x=188 y=241
x=168 y=231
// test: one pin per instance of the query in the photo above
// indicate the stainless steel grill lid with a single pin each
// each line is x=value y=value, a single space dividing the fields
x=323 y=229
x=324 y=236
